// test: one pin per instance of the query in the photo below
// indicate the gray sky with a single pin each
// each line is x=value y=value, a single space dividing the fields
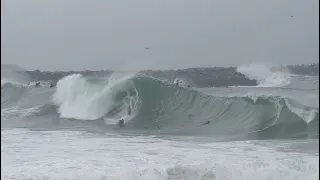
x=113 y=34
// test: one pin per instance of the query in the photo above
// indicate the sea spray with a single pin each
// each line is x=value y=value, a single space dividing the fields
x=264 y=75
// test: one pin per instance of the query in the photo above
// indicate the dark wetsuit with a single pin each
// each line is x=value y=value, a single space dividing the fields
x=121 y=122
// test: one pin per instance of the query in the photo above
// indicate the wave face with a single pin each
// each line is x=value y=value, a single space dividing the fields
x=151 y=105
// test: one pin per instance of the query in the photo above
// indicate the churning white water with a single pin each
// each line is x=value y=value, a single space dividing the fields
x=79 y=155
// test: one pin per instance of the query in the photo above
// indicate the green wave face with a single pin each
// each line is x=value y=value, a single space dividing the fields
x=150 y=105
x=168 y=108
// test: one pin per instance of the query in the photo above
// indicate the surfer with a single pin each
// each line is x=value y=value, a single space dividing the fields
x=121 y=122
x=177 y=82
x=37 y=84
x=206 y=123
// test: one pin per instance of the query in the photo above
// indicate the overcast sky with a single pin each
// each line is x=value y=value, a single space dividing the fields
x=114 y=34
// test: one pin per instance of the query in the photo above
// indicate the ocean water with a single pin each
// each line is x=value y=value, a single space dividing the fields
x=269 y=131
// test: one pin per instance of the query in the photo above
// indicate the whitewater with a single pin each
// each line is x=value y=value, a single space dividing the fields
x=172 y=129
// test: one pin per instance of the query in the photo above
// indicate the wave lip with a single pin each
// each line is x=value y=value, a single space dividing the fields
x=80 y=98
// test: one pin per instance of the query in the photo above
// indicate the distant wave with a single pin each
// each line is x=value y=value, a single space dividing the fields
x=14 y=77
x=265 y=76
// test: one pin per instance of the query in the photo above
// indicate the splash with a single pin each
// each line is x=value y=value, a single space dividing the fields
x=264 y=75
x=81 y=98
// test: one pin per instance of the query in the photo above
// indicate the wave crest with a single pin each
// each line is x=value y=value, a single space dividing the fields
x=83 y=98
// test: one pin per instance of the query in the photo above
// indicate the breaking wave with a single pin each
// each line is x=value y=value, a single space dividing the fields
x=152 y=105
x=265 y=76
x=90 y=99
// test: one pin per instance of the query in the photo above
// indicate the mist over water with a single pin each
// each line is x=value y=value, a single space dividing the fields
x=166 y=120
